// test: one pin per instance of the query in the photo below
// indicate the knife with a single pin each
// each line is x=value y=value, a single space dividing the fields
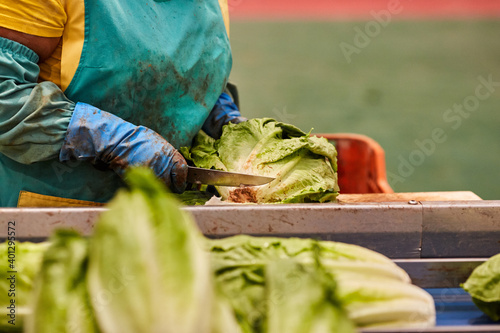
x=224 y=178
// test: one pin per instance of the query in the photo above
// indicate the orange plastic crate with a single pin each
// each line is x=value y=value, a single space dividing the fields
x=361 y=163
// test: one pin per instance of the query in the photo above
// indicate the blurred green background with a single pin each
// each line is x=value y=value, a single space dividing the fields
x=397 y=89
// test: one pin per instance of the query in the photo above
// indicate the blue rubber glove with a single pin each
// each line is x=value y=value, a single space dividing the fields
x=223 y=112
x=101 y=137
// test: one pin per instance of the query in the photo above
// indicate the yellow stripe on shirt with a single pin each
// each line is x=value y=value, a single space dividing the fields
x=225 y=13
x=72 y=41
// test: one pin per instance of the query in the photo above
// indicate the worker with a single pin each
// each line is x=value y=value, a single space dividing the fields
x=90 y=88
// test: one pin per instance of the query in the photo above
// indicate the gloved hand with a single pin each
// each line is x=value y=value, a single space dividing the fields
x=101 y=137
x=223 y=112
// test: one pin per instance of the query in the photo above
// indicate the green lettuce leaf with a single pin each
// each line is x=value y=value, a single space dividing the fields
x=305 y=167
x=60 y=299
x=194 y=197
x=484 y=287
x=303 y=298
x=146 y=255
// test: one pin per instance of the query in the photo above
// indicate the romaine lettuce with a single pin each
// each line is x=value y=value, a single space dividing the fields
x=305 y=167
x=60 y=300
x=374 y=291
x=146 y=254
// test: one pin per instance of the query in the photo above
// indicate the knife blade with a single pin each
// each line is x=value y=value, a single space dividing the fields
x=224 y=178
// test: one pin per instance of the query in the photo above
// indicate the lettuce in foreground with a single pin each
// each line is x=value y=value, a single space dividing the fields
x=305 y=167
x=374 y=291
x=147 y=268
x=146 y=254
x=144 y=269
x=61 y=301
x=484 y=287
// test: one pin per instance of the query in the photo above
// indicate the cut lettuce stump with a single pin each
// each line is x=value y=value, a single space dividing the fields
x=305 y=167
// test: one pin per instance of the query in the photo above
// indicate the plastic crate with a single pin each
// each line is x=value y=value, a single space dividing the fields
x=361 y=163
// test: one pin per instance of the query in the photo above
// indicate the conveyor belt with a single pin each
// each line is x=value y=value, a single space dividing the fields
x=454 y=307
x=455 y=312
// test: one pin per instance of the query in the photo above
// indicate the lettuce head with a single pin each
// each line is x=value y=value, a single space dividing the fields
x=305 y=167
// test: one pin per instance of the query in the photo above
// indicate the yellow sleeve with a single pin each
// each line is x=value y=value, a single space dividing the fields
x=44 y=18
x=225 y=13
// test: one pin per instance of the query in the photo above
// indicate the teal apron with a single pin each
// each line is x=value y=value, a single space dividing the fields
x=160 y=64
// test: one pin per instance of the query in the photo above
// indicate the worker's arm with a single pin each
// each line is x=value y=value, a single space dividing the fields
x=33 y=116
x=42 y=46
x=38 y=122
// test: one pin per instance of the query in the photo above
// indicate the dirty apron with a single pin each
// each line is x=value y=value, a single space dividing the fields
x=160 y=64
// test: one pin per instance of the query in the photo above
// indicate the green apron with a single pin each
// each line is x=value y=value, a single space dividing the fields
x=160 y=64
